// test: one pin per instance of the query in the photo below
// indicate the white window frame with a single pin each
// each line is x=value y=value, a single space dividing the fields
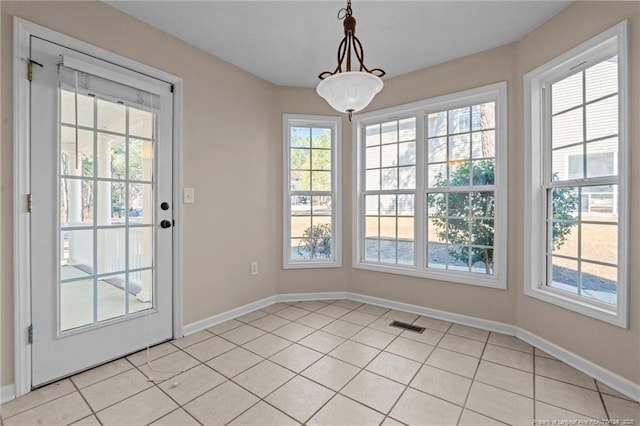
x=491 y=93
x=335 y=123
x=601 y=47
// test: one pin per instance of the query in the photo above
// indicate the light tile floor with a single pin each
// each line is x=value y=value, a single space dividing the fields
x=328 y=363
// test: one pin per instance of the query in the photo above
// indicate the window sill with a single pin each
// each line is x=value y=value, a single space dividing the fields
x=467 y=278
x=312 y=264
x=583 y=307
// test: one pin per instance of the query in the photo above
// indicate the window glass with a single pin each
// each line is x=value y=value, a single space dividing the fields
x=390 y=180
x=310 y=224
x=429 y=202
x=460 y=223
x=582 y=222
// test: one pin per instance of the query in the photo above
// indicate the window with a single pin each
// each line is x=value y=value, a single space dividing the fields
x=576 y=182
x=390 y=183
x=431 y=188
x=312 y=225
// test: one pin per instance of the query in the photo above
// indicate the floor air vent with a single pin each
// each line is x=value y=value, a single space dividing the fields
x=407 y=326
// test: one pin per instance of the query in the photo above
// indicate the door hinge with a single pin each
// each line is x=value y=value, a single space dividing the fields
x=30 y=331
x=29 y=203
x=30 y=64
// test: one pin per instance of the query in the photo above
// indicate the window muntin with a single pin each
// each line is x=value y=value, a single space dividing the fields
x=461 y=188
x=311 y=236
x=390 y=182
x=107 y=183
x=396 y=217
x=581 y=188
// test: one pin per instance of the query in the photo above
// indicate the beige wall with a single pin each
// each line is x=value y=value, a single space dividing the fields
x=612 y=347
x=230 y=115
x=228 y=158
x=305 y=101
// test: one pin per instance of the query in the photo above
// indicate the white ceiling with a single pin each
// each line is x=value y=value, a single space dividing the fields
x=290 y=42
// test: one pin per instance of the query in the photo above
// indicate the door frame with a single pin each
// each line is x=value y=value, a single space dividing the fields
x=22 y=31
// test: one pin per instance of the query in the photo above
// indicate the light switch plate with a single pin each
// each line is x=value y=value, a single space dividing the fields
x=189 y=196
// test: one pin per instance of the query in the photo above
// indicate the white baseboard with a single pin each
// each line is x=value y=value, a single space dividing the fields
x=609 y=378
x=7 y=393
x=498 y=327
x=305 y=297
x=194 y=327
x=613 y=380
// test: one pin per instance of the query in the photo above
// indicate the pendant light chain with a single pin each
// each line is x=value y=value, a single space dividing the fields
x=348 y=44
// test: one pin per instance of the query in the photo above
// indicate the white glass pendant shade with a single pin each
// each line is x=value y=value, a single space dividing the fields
x=349 y=91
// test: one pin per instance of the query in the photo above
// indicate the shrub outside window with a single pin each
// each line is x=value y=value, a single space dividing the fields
x=430 y=179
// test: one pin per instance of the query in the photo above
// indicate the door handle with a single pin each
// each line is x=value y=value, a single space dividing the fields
x=165 y=224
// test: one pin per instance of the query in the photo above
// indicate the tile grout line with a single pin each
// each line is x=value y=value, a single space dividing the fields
x=565 y=409
x=173 y=411
x=473 y=379
x=296 y=374
x=510 y=366
x=263 y=399
x=240 y=346
x=534 y=384
x=181 y=406
x=93 y=412
x=606 y=411
x=567 y=383
x=354 y=376
x=418 y=370
x=325 y=354
x=152 y=381
x=170 y=342
x=204 y=363
x=39 y=404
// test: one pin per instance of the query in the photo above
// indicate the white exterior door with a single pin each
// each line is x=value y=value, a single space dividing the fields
x=101 y=221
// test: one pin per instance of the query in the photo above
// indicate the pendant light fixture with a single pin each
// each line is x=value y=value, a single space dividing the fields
x=347 y=90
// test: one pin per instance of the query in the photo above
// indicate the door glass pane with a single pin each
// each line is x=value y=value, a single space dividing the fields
x=140 y=202
x=76 y=304
x=111 y=156
x=140 y=123
x=83 y=146
x=112 y=116
x=106 y=211
x=111 y=297
x=142 y=283
x=111 y=250
x=140 y=160
x=76 y=202
x=76 y=253
x=110 y=203
x=68 y=109
x=140 y=247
